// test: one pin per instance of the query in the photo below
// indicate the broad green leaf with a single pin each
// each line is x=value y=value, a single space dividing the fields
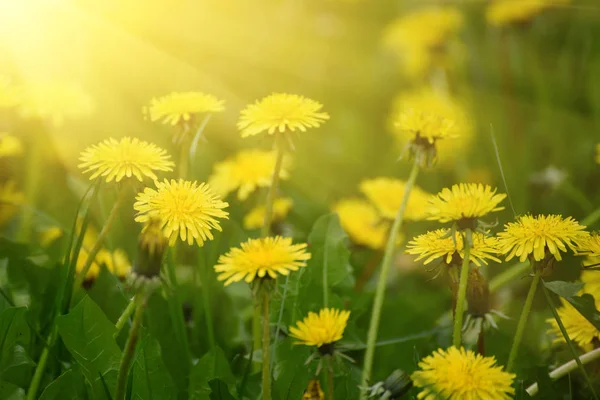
x=15 y=338
x=151 y=380
x=107 y=292
x=213 y=365
x=291 y=373
x=8 y=391
x=68 y=386
x=18 y=367
x=88 y=335
x=585 y=303
x=220 y=390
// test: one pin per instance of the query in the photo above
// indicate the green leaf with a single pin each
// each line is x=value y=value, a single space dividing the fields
x=15 y=337
x=585 y=303
x=291 y=373
x=220 y=390
x=68 y=386
x=150 y=377
x=107 y=292
x=213 y=365
x=17 y=368
x=8 y=391
x=88 y=335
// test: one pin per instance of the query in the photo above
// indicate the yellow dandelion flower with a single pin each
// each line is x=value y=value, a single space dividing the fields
x=505 y=12
x=266 y=257
x=185 y=209
x=50 y=235
x=116 y=262
x=117 y=159
x=94 y=270
x=10 y=201
x=281 y=112
x=439 y=244
x=363 y=224
x=256 y=217
x=245 y=172
x=386 y=195
x=434 y=116
x=580 y=330
x=320 y=329
x=10 y=145
x=464 y=201
x=10 y=96
x=178 y=107
x=54 y=102
x=530 y=235
x=590 y=247
x=591 y=281
x=461 y=374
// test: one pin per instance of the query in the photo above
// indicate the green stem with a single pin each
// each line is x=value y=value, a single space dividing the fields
x=385 y=269
x=523 y=321
x=256 y=337
x=515 y=271
x=266 y=228
x=566 y=368
x=462 y=291
x=125 y=316
x=41 y=366
x=205 y=288
x=266 y=349
x=130 y=349
x=592 y=218
x=112 y=217
x=568 y=339
x=330 y=394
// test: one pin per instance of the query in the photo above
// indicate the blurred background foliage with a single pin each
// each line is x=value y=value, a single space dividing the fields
x=533 y=85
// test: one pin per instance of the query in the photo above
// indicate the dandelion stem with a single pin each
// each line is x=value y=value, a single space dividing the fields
x=266 y=228
x=385 y=269
x=563 y=330
x=329 y=369
x=41 y=365
x=127 y=359
x=114 y=212
x=266 y=348
x=205 y=288
x=566 y=369
x=462 y=290
x=517 y=270
x=125 y=316
x=523 y=321
x=256 y=337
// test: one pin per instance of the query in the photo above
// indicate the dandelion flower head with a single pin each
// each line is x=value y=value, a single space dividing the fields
x=386 y=195
x=590 y=247
x=580 y=330
x=180 y=107
x=10 y=201
x=362 y=223
x=320 y=329
x=281 y=112
x=10 y=145
x=439 y=244
x=260 y=258
x=117 y=159
x=455 y=374
x=256 y=217
x=535 y=236
x=505 y=12
x=246 y=171
x=185 y=209
x=464 y=201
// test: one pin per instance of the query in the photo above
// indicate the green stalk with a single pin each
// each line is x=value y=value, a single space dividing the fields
x=205 y=287
x=112 y=217
x=129 y=353
x=568 y=340
x=385 y=269
x=566 y=368
x=41 y=366
x=523 y=321
x=266 y=228
x=125 y=316
x=330 y=393
x=266 y=348
x=592 y=218
x=462 y=291
x=515 y=271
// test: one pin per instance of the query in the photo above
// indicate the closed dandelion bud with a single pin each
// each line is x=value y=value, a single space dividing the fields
x=478 y=294
x=151 y=248
x=394 y=387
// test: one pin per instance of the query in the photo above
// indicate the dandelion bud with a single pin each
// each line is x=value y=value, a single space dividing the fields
x=151 y=247
x=394 y=386
x=478 y=294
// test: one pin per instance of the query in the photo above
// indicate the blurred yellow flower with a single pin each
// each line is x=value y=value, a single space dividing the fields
x=116 y=262
x=580 y=330
x=598 y=153
x=10 y=201
x=10 y=145
x=536 y=236
x=10 y=95
x=439 y=244
x=321 y=329
x=504 y=12
x=245 y=172
x=54 y=102
x=117 y=159
x=363 y=224
x=590 y=246
x=256 y=217
x=465 y=201
x=49 y=235
x=386 y=195
x=187 y=210
x=281 y=112
x=261 y=258
x=94 y=269
x=591 y=279
x=438 y=115
x=461 y=374
x=181 y=107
